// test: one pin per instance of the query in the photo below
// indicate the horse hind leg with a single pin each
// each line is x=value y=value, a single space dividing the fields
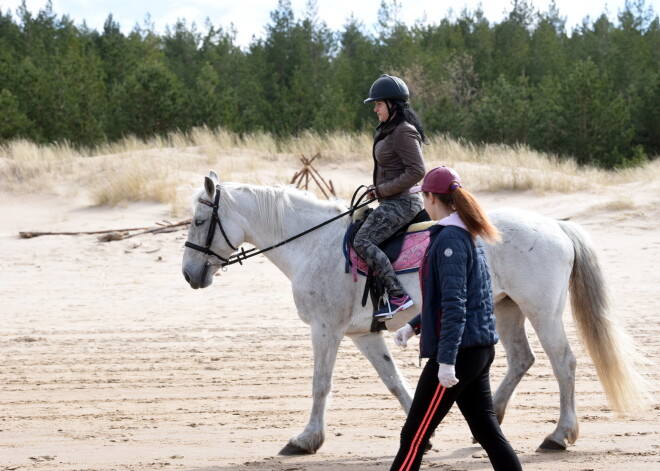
x=550 y=331
x=520 y=357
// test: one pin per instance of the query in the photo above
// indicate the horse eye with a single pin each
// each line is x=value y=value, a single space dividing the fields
x=199 y=222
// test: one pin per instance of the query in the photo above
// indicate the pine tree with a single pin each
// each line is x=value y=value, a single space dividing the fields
x=598 y=126
x=14 y=123
x=151 y=101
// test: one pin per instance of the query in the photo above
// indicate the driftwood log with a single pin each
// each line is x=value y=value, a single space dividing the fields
x=116 y=234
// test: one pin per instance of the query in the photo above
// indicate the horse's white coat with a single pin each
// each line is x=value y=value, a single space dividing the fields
x=531 y=269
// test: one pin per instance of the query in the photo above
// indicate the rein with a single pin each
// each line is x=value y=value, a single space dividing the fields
x=245 y=254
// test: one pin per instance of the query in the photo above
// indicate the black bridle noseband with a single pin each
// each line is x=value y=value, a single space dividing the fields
x=245 y=254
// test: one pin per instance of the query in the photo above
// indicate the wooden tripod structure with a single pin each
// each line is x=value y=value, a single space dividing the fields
x=302 y=178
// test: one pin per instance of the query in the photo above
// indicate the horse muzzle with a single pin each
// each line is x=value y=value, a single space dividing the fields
x=199 y=278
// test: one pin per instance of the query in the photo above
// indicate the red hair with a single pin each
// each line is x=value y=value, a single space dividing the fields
x=471 y=213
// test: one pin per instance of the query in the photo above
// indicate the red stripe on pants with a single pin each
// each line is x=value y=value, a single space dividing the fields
x=423 y=427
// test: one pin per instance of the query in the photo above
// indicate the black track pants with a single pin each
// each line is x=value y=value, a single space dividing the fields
x=473 y=396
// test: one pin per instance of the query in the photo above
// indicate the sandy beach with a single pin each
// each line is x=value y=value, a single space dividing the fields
x=110 y=361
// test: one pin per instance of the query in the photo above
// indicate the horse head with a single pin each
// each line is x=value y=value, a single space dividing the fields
x=213 y=236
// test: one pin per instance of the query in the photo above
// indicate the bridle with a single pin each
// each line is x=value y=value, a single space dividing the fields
x=215 y=220
x=245 y=254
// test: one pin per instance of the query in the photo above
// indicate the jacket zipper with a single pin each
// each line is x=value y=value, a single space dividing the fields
x=422 y=273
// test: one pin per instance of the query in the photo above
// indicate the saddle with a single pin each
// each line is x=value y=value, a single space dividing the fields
x=404 y=249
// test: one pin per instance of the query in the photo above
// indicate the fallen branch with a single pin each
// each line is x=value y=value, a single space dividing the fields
x=114 y=234
x=161 y=229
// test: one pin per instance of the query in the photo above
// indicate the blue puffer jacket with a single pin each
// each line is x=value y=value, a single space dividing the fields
x=457 y=309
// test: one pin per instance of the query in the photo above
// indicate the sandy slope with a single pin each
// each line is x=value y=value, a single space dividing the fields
x=109 y=361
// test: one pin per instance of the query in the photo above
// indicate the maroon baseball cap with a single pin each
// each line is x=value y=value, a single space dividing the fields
x=440 y=180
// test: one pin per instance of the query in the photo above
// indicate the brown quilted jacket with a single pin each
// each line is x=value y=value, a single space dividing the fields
x=398 y=160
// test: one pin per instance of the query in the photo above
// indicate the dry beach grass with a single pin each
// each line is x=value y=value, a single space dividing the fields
x=109 y=361
x=135 y=170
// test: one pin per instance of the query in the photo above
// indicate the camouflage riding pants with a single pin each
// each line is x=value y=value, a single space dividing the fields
x=390 y=216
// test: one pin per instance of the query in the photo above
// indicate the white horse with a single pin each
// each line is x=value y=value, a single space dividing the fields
x=533 y=267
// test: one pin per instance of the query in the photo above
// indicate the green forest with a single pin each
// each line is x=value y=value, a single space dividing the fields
x=592 y=95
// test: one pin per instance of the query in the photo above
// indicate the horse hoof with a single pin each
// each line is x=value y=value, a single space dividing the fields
x=293 y=450
x=549 y=446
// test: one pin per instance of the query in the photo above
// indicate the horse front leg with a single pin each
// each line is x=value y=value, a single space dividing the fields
x=325 y=343
x=373 y=347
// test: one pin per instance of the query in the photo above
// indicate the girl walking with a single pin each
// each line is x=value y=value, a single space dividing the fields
x=457 y=326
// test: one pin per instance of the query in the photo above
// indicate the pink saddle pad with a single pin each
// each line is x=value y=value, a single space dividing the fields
x=409 y=260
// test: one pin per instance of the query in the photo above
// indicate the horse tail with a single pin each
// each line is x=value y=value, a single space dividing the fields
x=615 y=356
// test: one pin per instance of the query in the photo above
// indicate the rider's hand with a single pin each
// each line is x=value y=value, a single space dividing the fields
x=371 y=192
x=447 y=375
x=402 y=335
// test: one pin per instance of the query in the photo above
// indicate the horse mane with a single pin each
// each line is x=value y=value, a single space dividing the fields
x=275 y=201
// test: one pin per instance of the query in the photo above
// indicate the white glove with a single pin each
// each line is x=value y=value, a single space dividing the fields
x=447 y=375
x=402 y=335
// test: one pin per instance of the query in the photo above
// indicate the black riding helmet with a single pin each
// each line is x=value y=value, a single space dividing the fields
x=388 y=87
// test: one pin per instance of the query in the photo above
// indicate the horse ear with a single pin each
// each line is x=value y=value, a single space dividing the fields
x=209 y=186
x=214 y=177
